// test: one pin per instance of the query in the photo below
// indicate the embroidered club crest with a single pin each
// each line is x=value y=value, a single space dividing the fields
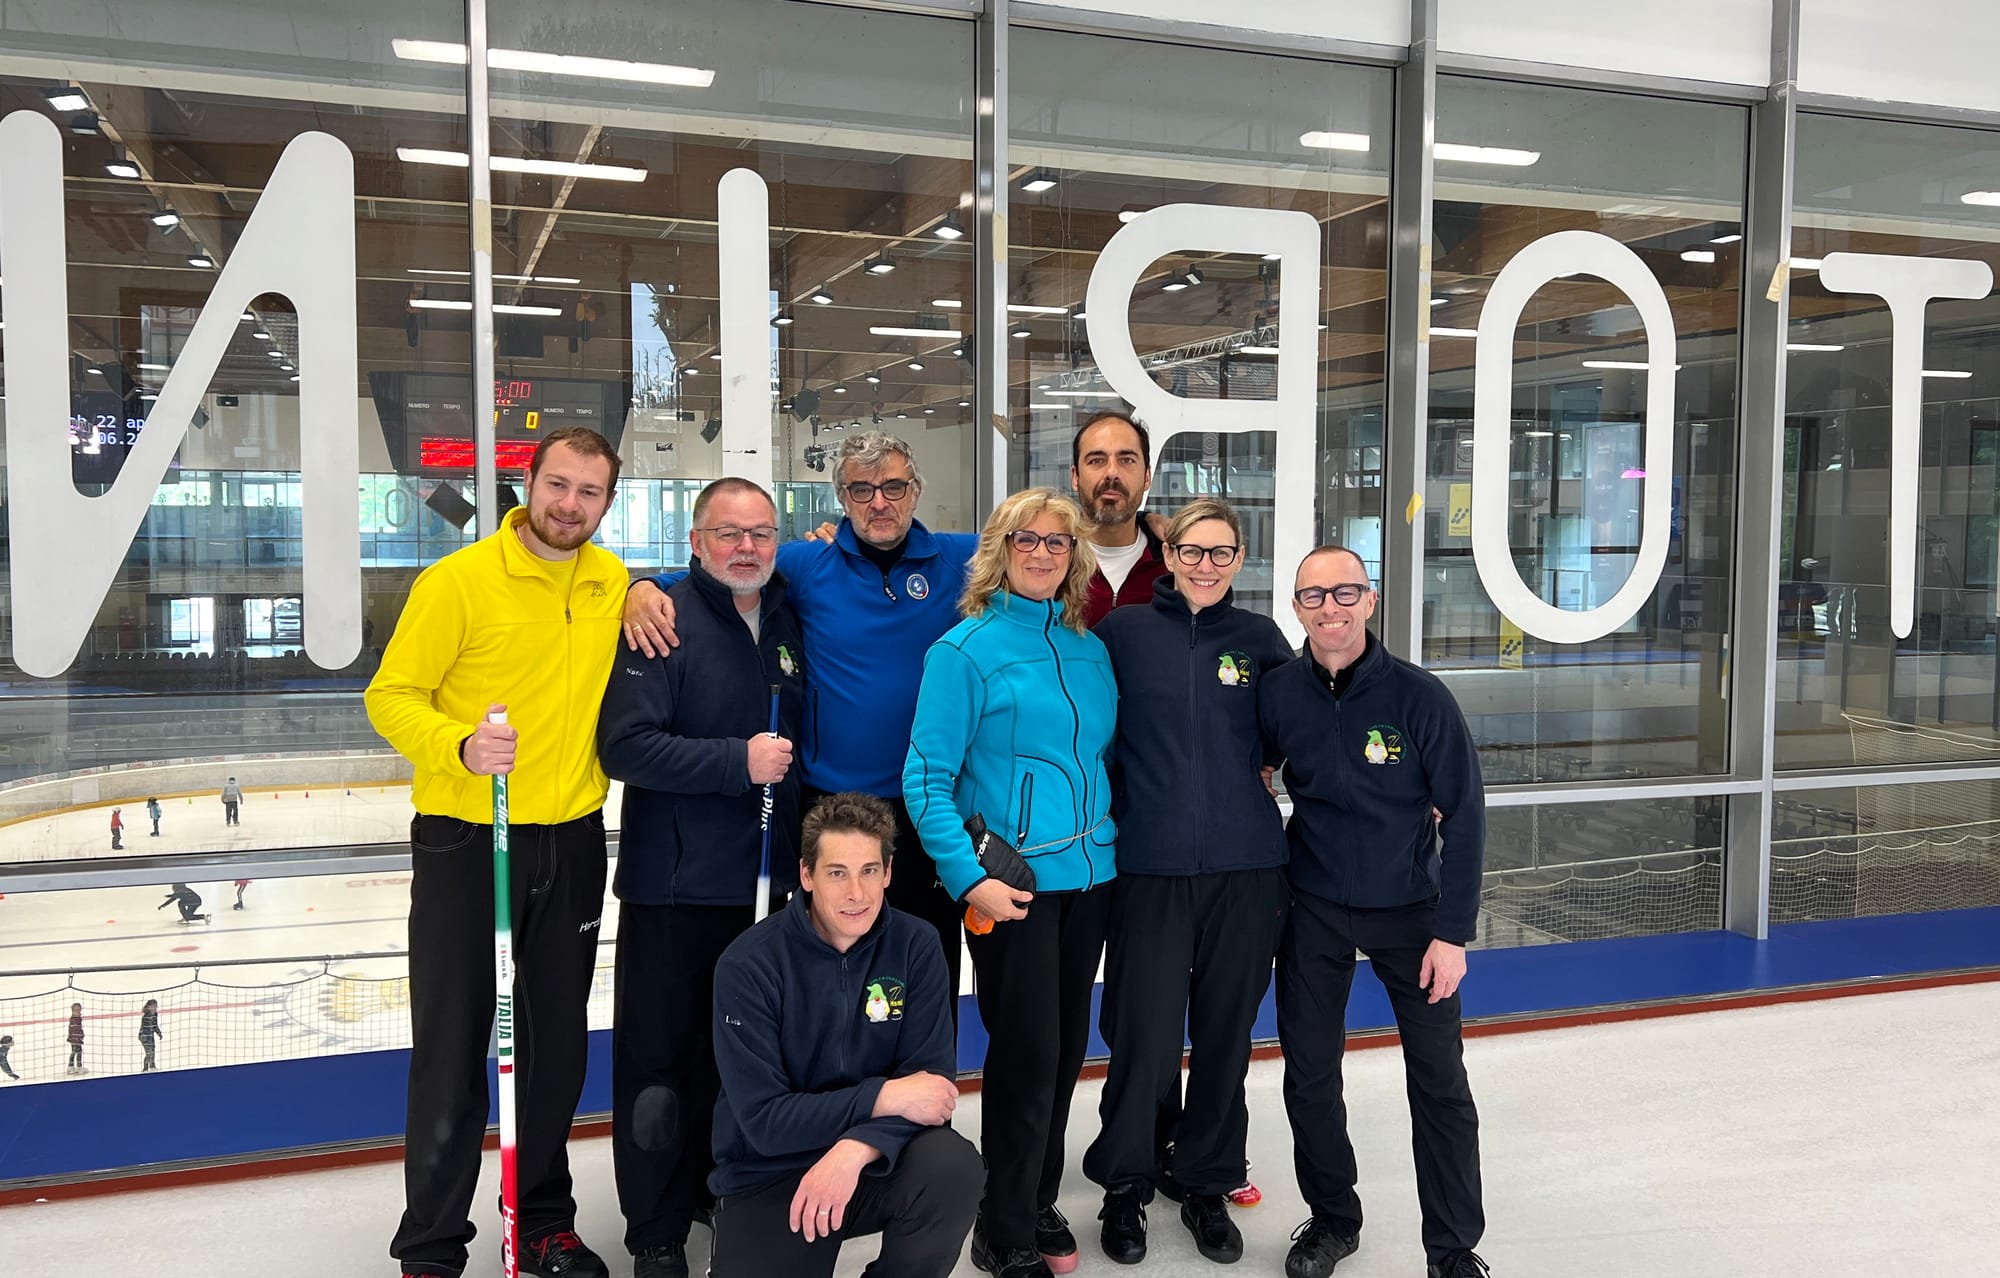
x=785 y=662
x=884 y=1002
x=1234 y=670
x=1384 y=745
x=916 y=586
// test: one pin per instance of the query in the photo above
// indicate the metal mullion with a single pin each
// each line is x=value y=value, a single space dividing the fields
x=479 y=201
x=1665 y=86
x=1901 y=112
x=1753 y=639
x=1847 y=778
x=986 y=441
x=1529 y=796
x=1406 y=411
x=1205 y=35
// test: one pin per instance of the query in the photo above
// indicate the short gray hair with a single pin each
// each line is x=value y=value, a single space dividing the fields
x=870 y=449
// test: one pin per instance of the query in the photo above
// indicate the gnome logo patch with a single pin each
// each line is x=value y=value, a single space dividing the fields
x=1384 y=745
x=916 y=586
x=884 y=1001
x=785 y=662
x=1234 y=669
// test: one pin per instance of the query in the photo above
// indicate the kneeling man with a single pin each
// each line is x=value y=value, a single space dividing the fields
x=834 y=1039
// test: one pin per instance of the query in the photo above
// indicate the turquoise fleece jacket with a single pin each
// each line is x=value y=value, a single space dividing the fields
x=1014 y=721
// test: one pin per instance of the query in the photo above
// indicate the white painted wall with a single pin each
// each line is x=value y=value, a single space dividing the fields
x=1931 y=51
x=1368 y=21
x=1720 y=40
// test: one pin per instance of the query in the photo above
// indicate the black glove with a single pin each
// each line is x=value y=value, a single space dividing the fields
x=997 y=856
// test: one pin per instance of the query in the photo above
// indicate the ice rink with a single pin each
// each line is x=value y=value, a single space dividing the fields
x=1849 y=1138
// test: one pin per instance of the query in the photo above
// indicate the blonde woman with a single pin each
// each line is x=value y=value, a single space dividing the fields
x=1014 y=720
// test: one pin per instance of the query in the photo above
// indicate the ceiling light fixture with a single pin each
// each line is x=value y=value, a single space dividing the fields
x=510 y=279
x=499 y=308
x=946 y=303
x=202 y=260
x=264 y=335
x=784 y=318
x=1807 y=263
x=1698 y=255
x=1086 y=394
x=1454 y=332
x=1628 y=365
x=820 y=297
x=949 y=229
x=1321 y=140
x=166 y=219
x=1439 y=301
x=1803 y=347
x=1991 y=199
x=154 y=368
x=1191 y=275
x=518 y=164
x=122 y=169
x=873 y=379
x=558 y=64
x=1025 y=308
x=1256 y=350
x=275 y=354
x=66 y=97
x=1041 y=180
x=880 y=265
x=900 y=330
x=1173 y=286
x=1019 y=332
x=840 y=390
x=1127 y=215
x=915 y=366
x=1953 y=373
x=1508 y=156
x=1725 y=239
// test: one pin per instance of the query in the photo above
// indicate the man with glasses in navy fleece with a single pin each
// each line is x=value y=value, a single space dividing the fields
x=870 y=602
x=1379 y=764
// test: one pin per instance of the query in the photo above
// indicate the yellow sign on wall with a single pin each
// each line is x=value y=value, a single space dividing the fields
x=1510 y=645
x=1460 y=522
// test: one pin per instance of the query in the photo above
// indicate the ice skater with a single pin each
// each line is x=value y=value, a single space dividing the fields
x=149 y=1032
x=6 y=1046
x=232 y=798
x=75 y=1039
x=189 y=901
x=240 y=885
x=117 y=829
x=153 y=811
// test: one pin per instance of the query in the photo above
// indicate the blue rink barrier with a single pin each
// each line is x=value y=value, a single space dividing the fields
x=135 y=1122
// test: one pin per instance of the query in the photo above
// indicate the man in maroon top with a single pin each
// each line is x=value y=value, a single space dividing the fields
x=1111 y=468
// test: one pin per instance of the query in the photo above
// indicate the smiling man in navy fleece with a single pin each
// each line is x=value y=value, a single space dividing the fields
x=1374 y=747
x=834 y=1038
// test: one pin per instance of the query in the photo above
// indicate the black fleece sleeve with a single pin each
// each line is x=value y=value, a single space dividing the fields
x=1451 y=762
x=635 y=742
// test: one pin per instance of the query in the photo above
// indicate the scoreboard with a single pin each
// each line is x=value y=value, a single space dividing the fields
x=435 y=412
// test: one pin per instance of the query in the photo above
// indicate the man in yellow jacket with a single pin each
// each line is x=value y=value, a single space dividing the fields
x=525 y=620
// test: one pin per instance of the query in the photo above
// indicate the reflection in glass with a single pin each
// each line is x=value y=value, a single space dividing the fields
x=1666 y=180
x=1850 y=691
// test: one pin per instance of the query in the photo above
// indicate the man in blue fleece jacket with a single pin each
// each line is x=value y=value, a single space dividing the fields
x=1379 y=764
x=834 y=1038
x=690 y=738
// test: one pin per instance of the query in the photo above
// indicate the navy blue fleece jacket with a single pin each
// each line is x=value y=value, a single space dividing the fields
x=805 y=1036
x=1186 y=790
x=1364 y=768
x=676 y=730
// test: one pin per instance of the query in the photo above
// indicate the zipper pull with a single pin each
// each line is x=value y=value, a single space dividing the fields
x=567 y=619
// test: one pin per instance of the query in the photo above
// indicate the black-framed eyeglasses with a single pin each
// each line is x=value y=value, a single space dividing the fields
x=1220 y=556
x=730 y=535
x=861 y=490
x=1026 y=541
x=1346 y=594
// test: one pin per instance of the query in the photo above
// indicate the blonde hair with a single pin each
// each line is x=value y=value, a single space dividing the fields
x=986 y=575
x=1196 y=512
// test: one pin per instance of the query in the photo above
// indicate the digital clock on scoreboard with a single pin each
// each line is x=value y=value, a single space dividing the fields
x=434 y=413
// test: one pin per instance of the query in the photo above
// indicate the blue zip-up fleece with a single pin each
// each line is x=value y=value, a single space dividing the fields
x=676 y=731
x=1014 y=720
x=1185 y=787
x=866 y=628
x=1364 y=768
x=805 y=1036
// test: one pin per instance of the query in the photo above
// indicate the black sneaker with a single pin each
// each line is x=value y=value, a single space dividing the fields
x=669 y=1260
x=1005 y=1262
x=1317 y=1246
x=1054 y=1241
x=1124 y=1234
x=1460 y=1264
x=562 y=1255
x=1215 y=1234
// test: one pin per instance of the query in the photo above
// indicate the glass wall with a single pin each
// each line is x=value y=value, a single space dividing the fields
x=1851 y=692
x=1665 y=179
x=1592 y=871
x=1104 y=129
x=1885 y=849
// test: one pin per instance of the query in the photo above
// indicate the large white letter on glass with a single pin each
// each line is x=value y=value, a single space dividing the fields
x=1907 y=284
x=1551 y=258
x=743 y=265
x=299 y=241
x=1205 y=228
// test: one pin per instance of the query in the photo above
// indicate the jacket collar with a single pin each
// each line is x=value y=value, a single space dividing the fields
x=1373 y=660
x=723 y=600
x=1172 y=602
x=1038 y=614
x=917 y=544
x=591 y=564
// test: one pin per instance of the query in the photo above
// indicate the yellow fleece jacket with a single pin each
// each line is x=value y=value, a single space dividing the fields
x=495 y=623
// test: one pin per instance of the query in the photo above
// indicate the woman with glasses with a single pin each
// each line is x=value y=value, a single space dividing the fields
x=1014 y=720
x=1201 y=896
